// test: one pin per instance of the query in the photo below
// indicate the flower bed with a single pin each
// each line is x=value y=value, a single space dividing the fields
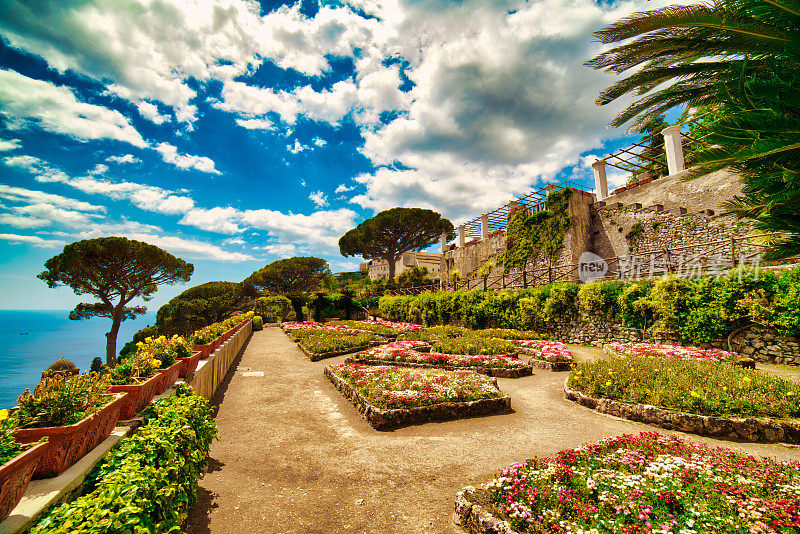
x=363 y=326
x=473 y=346
x=291 y=326
x=550 y=355
x=321 y=344
x=403 y=353
x=390 y=397
x=393 y=324
x=697 y=387
x=668 y=351
x=638 y=484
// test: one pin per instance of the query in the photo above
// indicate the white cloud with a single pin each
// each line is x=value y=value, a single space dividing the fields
x=319 y=142
x=99 y=169
x=185 y=161
x=47 y=214
x=34 y=240
x=282 y=250
x=256 y=124
x=127 y=158
x=150 y=112
x=29 y=196
x=321 y=229
x=296 y=148
x=318 y=198
x=28 y=102
x=221 y=220
x=234 y=241
x=191 y=248
x=9 y=144
x=343 y=189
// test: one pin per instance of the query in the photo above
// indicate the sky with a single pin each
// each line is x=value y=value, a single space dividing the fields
x=233 y=133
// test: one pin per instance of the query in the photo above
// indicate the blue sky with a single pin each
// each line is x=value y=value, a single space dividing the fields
x=233 y=133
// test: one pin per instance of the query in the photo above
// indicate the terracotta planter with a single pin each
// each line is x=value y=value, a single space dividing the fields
x=215 y=345
x=68 y=444
x=15 y=475
x=189 y=364
x=169 y=376
x=229 y=333
x=204 y=350
x=139 y=395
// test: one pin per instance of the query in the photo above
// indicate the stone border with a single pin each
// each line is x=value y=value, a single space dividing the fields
x=444 y=411
x=747 y=429
x=317 y=356
x=497 y=372
x=556 y=367
x=475 y=518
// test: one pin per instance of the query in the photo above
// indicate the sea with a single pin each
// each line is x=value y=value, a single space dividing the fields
x=31 y=340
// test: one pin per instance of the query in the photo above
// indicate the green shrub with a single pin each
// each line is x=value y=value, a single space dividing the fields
x=698 y=310
x=258 y=323
x=700 y=387
x=147 y=482
x=61 y=401
x=275 y=305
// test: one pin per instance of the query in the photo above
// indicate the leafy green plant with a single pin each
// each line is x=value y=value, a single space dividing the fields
x=9 y=446
x=258 y=323
x=61 y=401
x=147 y=482
x=539 y=235
x=700 y=387
x=134 y=369
x=635 y=235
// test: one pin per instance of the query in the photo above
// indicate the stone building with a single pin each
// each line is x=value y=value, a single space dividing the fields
x=377 y=269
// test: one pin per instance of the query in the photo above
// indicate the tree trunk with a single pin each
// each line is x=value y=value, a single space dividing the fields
x=392 y=259
x=297 y=305
x=111 y=339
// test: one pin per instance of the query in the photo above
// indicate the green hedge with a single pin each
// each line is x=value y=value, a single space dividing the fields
x=147 y=482
x=698 y=310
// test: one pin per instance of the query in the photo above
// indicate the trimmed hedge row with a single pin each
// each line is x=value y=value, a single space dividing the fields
x=147 y=482
x=699 y=310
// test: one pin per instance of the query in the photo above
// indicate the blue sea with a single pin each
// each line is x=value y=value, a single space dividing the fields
x=32 y=340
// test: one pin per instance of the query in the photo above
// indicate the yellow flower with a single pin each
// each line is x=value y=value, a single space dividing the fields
x=790 y=393
x=157 y=363
x=608 y=383
x=3 y=415
x=149 y=339
x=695 y=394
x=724 y=388
x=610 y=372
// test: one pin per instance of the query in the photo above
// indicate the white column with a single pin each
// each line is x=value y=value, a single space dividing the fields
x=443 y=239
x=461 y=234
x=550 y=188
x=600 y=181
x=674 y=148
x=484 y=227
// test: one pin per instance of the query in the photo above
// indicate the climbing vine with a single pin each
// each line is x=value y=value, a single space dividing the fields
x=537 y=235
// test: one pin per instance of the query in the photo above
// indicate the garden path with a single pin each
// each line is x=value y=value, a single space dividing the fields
x=295 y=456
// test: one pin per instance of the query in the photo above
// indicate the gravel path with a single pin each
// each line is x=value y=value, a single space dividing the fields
x=295 y=457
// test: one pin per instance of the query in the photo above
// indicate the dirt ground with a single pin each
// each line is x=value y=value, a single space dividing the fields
x=296 y=457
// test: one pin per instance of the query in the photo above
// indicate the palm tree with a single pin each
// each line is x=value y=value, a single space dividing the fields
x=738 y=60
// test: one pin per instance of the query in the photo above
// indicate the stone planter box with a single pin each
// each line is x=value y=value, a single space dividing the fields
x=317 y=356
x=189 y=364
x=204 y=350
x=497 y=372
x=15 y=475
x=746 y=428
x=550 y=366
x=169 y=376
x=445 y=411
x=139 y=395
x=474 y=517
x=68 y=444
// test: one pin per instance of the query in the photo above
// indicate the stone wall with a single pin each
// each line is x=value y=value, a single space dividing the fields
x=757 y=343
x=660 y=229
